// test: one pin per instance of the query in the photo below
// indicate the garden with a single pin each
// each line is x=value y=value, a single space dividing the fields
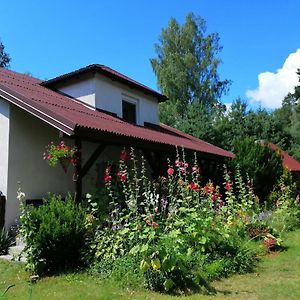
x=173 y=235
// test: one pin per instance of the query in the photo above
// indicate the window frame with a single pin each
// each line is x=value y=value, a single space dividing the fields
x=133 y=101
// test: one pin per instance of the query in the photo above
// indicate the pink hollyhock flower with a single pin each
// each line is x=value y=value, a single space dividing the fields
x=182 y=169
x=177 y=163
x=170 y=171
x=195 y=169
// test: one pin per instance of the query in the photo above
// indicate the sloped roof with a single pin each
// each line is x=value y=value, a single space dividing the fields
x=287 y=160
x=67 y=114
x=108 y=72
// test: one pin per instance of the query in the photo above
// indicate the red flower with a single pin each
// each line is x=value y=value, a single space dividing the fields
x=122 y=176
x=123 y=155
x=73 y=161
x=107 y=178
x=194 y=186
x=216 y=197
x=206 y=189
x=222 y=203
x=228 y=186
x=170 y=171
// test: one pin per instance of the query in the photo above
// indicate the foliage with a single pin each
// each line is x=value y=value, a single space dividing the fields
x=260 y=163
x=54 y=153
x=186 y=68
x=174 y=226
x=5 y=242
x=4 y=57
x=55 y=234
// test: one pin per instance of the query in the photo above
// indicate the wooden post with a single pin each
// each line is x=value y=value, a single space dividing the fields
x=77 y=173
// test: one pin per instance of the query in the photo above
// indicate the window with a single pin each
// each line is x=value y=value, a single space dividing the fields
x=129 y=111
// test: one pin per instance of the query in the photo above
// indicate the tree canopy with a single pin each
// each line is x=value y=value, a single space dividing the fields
x=4 y=57
x=186 y=67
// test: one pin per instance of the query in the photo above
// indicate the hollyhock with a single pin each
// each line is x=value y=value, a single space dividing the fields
x=195 y=169
x=107 y=178
x=228 y=186
x=194 y=186
x=170 y=171
x=206 y=189
x=123 y=155
x=122 y=176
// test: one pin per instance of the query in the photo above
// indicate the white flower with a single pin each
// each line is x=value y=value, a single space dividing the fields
x=21 y=196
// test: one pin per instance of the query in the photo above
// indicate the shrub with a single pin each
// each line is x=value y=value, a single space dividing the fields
x=260 y=163
x=55 y=235
x=5 y=242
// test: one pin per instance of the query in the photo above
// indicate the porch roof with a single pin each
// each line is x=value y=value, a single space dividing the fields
x=70 y=115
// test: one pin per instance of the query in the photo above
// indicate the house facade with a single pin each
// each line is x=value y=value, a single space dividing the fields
x=94 y=108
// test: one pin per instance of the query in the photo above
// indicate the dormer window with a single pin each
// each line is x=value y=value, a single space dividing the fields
x=129 y=110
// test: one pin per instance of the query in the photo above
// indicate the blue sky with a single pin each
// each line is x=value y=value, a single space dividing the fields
x=49 y=38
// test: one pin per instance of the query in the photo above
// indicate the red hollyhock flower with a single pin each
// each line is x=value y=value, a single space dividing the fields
x=206 y=189
x=122 y=176
x=170 y=171
x=123 y=155
x=107 y=178
x=194 y=186
x=228 y=186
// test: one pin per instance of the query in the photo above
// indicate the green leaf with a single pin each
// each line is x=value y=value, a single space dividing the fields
x=168 y=284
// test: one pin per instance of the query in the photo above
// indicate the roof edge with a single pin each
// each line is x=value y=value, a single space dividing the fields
x=108 y=72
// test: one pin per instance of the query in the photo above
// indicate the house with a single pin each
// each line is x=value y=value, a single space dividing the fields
x=95 y=108
x=289 y=162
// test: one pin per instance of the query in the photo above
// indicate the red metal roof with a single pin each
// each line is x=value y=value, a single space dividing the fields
x=287 y=160
x=108 y=72
x=67 y=114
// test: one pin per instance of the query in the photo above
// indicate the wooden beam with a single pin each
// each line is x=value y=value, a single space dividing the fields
x=91 y=160
x=77 y=178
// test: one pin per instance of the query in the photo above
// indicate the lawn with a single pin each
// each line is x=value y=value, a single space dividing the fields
x=277 y=277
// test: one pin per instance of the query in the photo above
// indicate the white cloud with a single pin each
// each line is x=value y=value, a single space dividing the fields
x=273 y=87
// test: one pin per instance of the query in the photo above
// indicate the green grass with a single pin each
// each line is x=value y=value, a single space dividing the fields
x=277 y=277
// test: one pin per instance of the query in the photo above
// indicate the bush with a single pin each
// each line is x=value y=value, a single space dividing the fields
x=260 y=163
x=55 y=235
x=5 y=242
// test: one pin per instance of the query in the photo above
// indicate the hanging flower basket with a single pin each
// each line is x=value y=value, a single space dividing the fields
x=62 y=154
x=65 y=162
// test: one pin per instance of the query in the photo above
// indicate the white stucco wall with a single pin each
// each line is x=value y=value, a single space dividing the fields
x=103 y=93
x=83 y=90
x=28 y=138
x=4 y=142
x=109 y=95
